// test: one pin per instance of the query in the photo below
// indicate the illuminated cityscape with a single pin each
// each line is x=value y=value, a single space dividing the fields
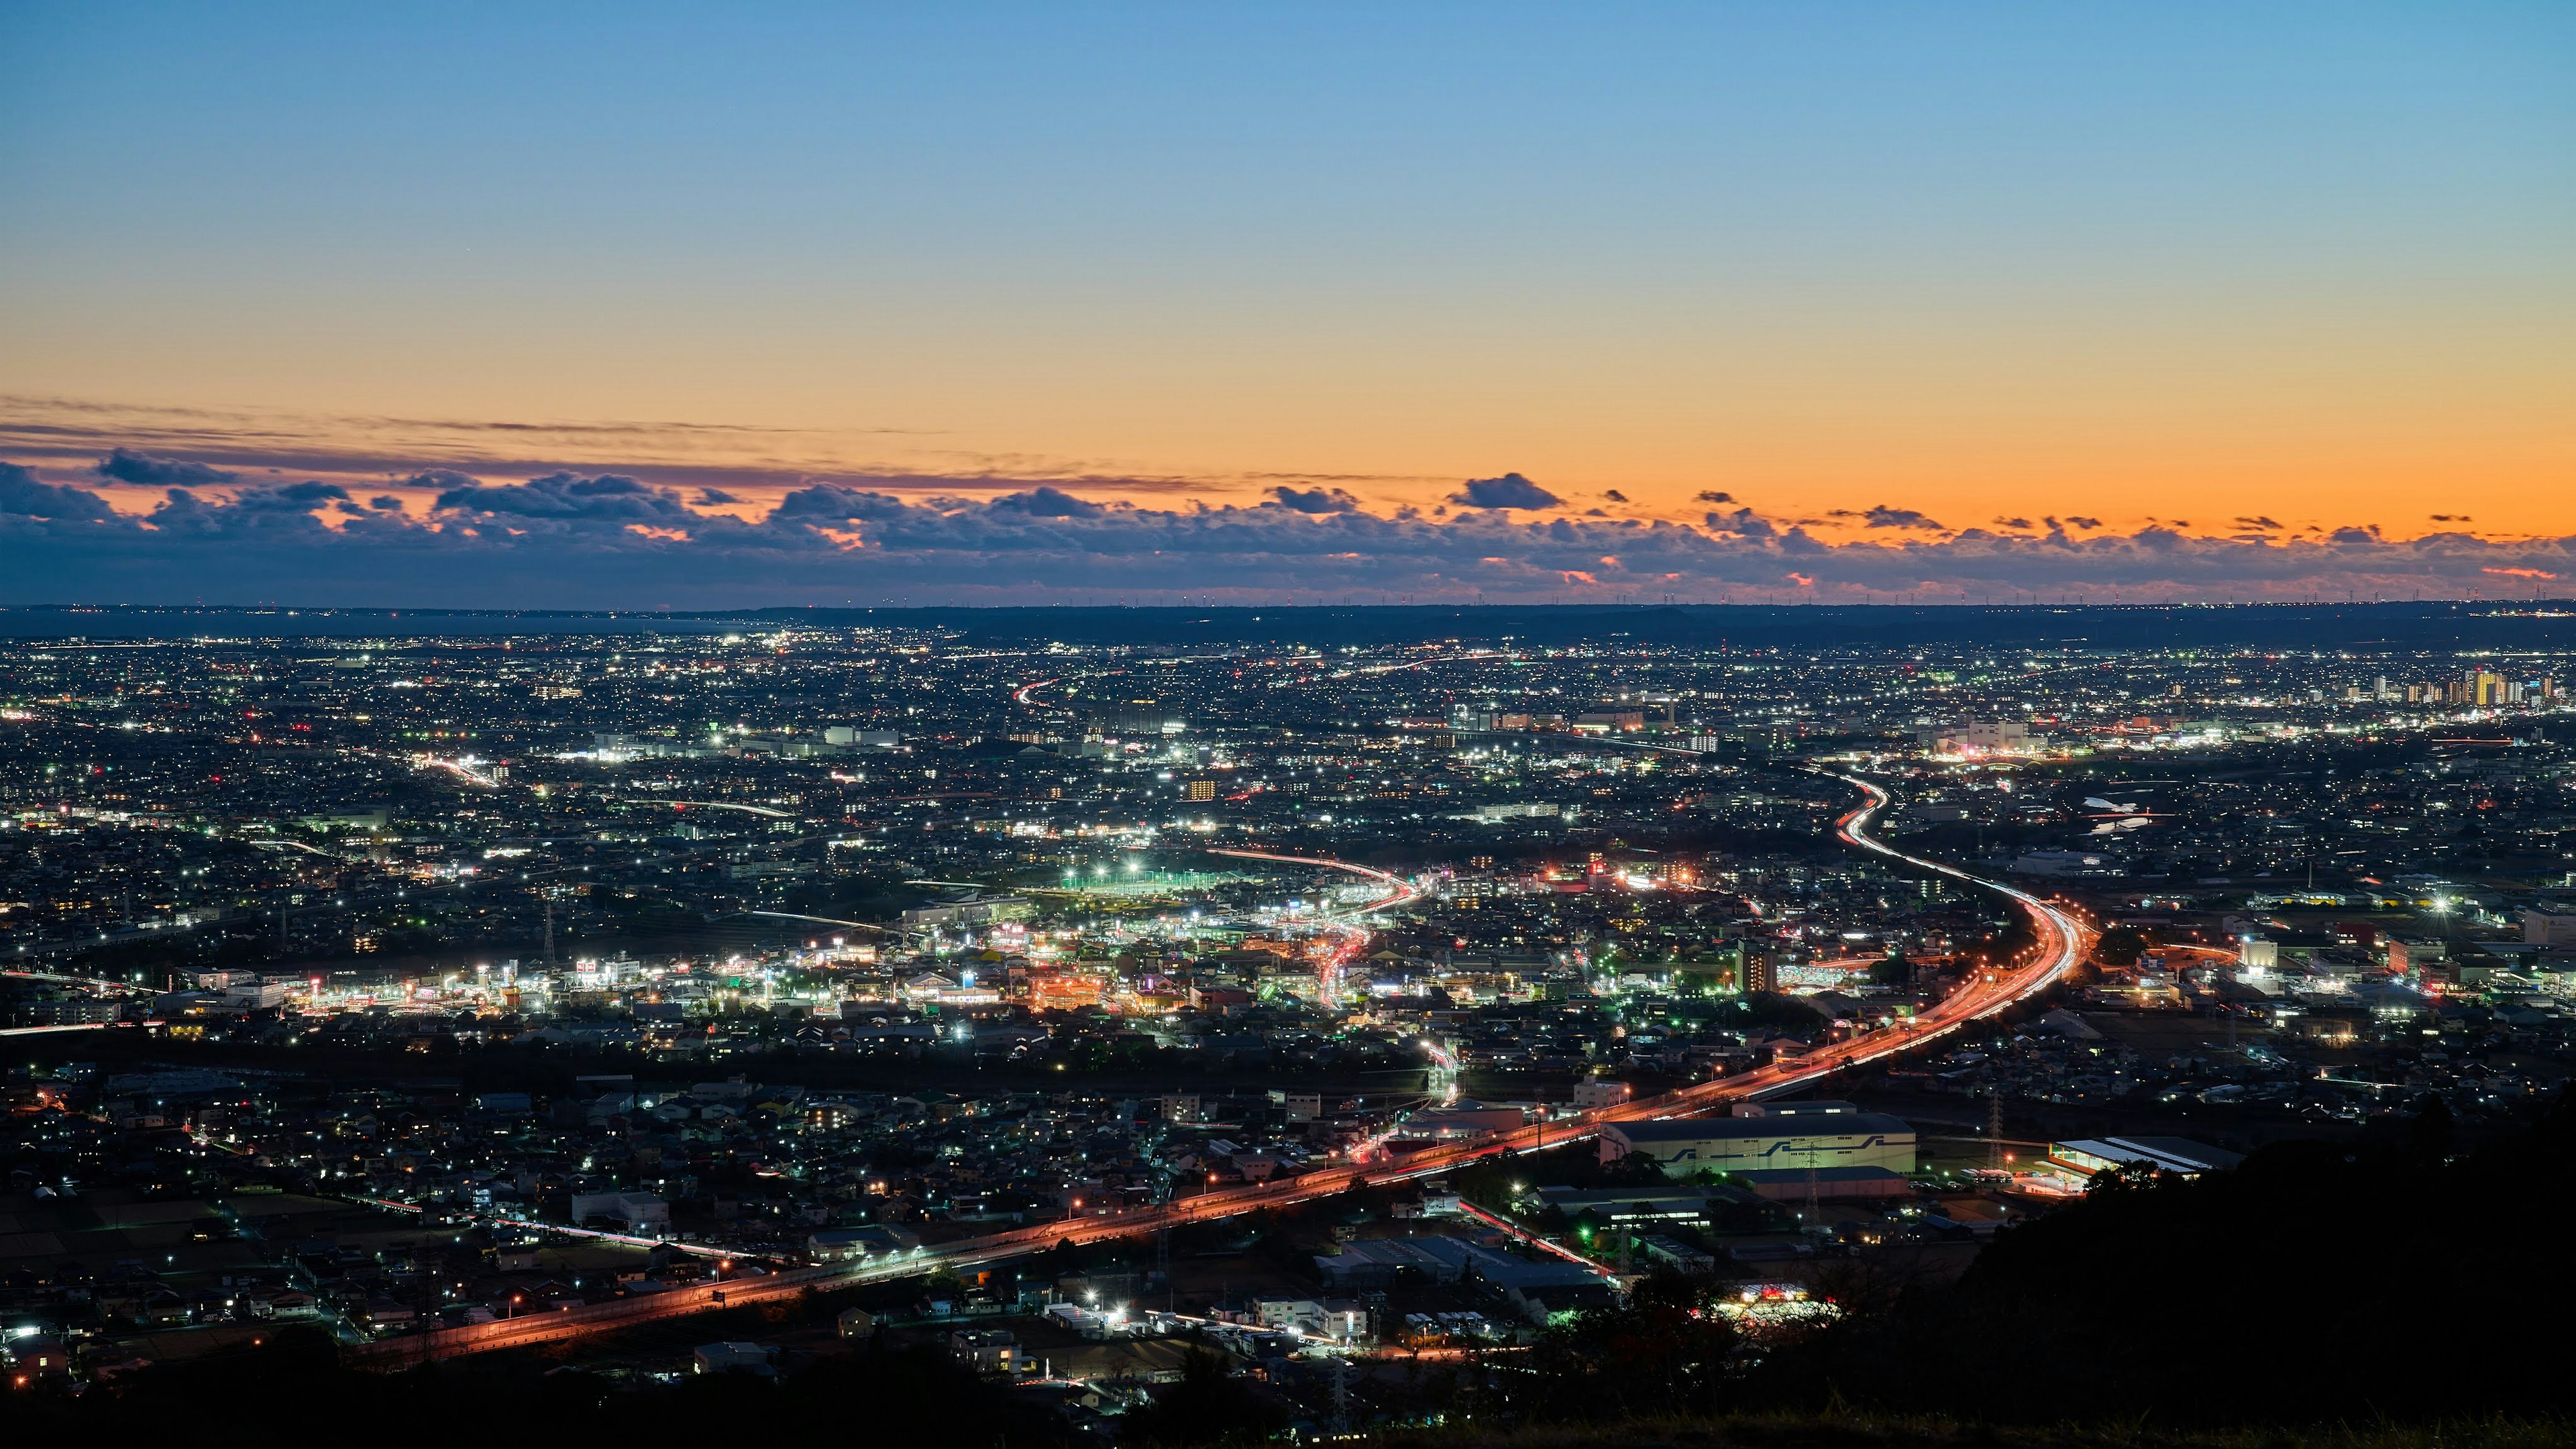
x=1069 y=1005
x=1116 y=726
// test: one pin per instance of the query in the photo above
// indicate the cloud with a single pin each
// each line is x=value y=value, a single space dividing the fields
x=1314 y=500
x=1509 y=491
x=833 y=504
x=1614 y=495
x=270 y=511
x=26 y=496
x=2075 y=519
x=125 y=465
x=1882 y=516
x=710 y=497
x=2021 y=523
x=617 y=540
x=1047 y=503
x=2258 y=521
x=386 y=502
x=1706 y=496
x=2452 y=518
x=290 y=497
x=1742 y=523
x=559 y=498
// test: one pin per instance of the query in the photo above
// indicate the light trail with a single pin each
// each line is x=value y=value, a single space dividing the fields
x=1548 y=1245
x=2063 y=940
x=1399 y=890
x=1328 y=983
x=456 y=767
x=826 y=920
x=726 y=805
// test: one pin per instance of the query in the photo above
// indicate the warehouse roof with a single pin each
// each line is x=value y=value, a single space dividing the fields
x=1713 y=1129
x=2167 y=1154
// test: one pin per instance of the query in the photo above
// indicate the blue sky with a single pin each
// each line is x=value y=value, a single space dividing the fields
x=2147 y=263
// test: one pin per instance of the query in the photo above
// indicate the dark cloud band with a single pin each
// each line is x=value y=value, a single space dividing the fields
x=618 y=540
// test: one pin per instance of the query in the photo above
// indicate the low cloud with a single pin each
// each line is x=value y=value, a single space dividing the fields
x=1712 y=497
x=1509 y=491
x=566 y=497
x=1047 y=503
x=1314 y=500
x=125 y=465
x=622 y=539
x=24 y=495
x=1882 y=516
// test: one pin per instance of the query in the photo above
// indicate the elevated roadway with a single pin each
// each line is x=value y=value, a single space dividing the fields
x=2060 y=941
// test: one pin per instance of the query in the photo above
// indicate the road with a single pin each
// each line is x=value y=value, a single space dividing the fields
x=1328 y=972
x=2061 y=941
x=1399 y=891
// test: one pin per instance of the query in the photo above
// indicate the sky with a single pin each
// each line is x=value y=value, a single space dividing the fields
x=644 y=304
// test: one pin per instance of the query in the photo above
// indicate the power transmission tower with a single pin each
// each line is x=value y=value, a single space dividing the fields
x=1995 y=1129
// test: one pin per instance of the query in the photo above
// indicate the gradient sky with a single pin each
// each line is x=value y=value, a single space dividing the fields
x=2215 y=270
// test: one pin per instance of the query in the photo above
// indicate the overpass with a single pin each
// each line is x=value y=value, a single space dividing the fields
x=2061 y=940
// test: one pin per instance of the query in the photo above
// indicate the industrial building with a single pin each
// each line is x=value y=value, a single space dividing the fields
x=1628 y=1206
x=1822 y=1154
x=2178 y=1155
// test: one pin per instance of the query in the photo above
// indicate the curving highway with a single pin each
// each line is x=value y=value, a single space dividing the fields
x=2061 y=941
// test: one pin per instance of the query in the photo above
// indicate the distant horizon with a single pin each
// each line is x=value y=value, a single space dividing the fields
x=2446 y=626
x=1439 y=605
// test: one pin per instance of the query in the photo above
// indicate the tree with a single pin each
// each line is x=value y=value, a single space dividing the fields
x=1208 y=1406
x=1665 y=1351
x=2127 y=1177
x=2120 y=946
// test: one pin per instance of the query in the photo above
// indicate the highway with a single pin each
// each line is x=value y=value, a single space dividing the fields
x=1399 y=890
x=1328 y=973
x=2061 y=942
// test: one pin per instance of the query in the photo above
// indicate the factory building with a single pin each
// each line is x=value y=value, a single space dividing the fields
x=1829 y=1154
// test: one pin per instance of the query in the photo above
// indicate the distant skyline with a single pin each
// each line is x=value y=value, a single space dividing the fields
x=788 y=304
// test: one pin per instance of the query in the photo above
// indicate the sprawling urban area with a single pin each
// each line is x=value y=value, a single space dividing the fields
x=719 y=997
